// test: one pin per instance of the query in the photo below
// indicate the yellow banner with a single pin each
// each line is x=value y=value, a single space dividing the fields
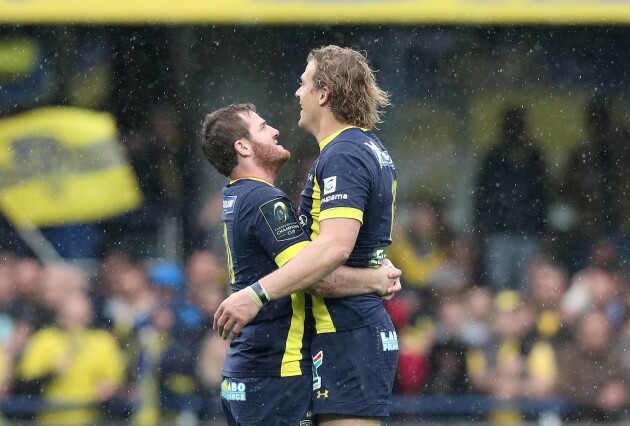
x=63 y=165
x=315 y=11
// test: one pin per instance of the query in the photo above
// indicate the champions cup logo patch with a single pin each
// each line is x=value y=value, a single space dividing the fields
x=389 y=340
x=280 y=211
x=228 y=204
x=330 y=184
x=281 y=219
x=233 y=391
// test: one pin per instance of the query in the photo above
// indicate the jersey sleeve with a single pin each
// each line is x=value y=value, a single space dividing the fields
x=345 y=182
x=273 y=223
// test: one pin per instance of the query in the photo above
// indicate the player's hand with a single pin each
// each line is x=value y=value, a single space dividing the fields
x=388 y=280
x=391 y=290
x=234 y=313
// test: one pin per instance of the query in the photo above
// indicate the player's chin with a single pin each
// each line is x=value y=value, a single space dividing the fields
x=285 y=154
x=301 y=123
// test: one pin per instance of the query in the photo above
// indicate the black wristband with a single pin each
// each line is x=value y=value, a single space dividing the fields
x=260 y=292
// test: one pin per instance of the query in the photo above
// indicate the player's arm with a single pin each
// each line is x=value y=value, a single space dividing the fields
x=317 y=260
x=347 y=281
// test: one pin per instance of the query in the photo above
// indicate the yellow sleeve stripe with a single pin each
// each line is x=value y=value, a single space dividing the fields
x=289 y=253
x=342 y=212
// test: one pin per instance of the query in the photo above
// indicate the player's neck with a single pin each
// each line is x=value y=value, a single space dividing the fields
x=328 y=126
x=253 y=173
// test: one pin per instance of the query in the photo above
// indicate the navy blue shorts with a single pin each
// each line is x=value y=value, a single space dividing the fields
x=353 y=370
x=254 y=401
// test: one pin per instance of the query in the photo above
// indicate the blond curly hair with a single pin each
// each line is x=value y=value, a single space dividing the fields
x=355 y=97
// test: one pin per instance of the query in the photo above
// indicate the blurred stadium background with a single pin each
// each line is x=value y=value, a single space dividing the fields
x=101 y=105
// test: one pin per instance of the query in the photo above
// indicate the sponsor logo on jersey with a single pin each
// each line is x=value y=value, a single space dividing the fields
x=233 y=391
x=228 y=204
x=335 y=197
x=330 y=184
x=378 y=255
x=384 y=160
x=306 y=423
x=317 y=362
x=390 y=341
x=303 y=220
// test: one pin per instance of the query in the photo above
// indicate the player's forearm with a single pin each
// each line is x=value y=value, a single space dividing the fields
x=318 y=259
x=346 y=281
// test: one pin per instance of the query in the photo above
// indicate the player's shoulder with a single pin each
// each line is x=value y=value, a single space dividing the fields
x=355 y=145
x=260 y=192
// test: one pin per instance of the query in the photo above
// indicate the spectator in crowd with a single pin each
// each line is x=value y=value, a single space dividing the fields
x=169 y=286
x=595 y=181
x=167 y=140
x=207 y=287
x=28 y=307
x=595 y=289
x=414 y=343
x=104 y=282
x=128 y=305
x=511 y=204
x=448 y=373
x=207 y=281
x=448 y=369
x=590 y=374
x=70 y=363
x=130 y=300
x=420 y=251
x=479 y=307
x=549 y=282
x=207 y=229
x=505 y=367
x=7 y=324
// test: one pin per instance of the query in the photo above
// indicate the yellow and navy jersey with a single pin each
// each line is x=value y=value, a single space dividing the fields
x=354 y=177
x=262 y=233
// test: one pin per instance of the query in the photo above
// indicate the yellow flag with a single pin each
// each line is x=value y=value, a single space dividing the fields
x=63 y=165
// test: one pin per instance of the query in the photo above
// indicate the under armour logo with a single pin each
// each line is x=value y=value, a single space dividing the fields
x=321 y=394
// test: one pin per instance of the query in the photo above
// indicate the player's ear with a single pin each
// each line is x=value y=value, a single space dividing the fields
x=324 y=96
x=243 y=147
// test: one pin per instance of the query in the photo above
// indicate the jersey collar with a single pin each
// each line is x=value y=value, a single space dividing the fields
x=251 y=178
x=330 y=138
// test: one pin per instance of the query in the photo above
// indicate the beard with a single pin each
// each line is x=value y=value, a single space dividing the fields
x=269 y=157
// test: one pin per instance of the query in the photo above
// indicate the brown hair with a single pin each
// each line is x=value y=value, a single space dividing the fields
x=220 y=130
x=355 y=97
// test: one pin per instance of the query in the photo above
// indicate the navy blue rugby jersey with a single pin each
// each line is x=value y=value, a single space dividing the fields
x=262 y=233
x=354 y=177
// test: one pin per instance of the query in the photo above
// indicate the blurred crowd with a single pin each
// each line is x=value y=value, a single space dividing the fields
x=526 y=305
x=522 y=307
x=130 y=340
x=531 y=301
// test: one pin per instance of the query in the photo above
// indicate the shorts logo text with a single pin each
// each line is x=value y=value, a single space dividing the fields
x=233 y=391
x=390 y=341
